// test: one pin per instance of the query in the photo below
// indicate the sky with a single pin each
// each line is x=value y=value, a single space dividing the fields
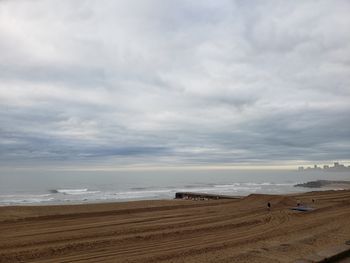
x=98 y=83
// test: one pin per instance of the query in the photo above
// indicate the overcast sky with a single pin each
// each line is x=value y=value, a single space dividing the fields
x=174 y=82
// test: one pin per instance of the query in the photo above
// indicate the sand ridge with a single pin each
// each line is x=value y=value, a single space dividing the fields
x=177 y=230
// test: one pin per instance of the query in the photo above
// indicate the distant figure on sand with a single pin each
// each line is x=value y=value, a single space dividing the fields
x=268 y=205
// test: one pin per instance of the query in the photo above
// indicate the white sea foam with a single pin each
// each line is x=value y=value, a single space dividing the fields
x=24 y=199
x=74 y=191
x=78 y=195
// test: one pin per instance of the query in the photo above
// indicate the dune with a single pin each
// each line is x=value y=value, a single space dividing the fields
x=235 y=230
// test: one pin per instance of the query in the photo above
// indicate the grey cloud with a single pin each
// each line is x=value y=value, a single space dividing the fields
x=73 y=75
x=184 y=83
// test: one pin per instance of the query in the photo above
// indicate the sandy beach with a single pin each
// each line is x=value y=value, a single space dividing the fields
x=177 y=230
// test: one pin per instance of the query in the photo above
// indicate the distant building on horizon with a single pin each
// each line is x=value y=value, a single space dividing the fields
x=337 y=167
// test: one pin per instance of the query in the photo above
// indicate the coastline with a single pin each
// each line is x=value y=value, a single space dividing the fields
x=326 y=184
x=96 y=195
x=177 y=230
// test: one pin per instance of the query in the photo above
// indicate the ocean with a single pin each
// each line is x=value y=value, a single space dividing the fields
x=72 y=187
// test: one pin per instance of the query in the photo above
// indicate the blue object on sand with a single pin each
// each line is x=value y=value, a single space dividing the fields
x=302 y=208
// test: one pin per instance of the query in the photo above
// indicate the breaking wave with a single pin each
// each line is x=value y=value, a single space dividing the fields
x=73 y=191
x=25 y=199
x=81 y=195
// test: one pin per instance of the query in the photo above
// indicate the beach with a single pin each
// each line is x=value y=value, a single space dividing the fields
x=232 y=230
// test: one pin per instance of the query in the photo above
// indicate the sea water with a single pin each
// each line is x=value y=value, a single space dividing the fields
x=68 y=187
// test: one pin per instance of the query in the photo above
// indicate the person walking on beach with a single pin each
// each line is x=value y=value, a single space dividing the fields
x=268 y=206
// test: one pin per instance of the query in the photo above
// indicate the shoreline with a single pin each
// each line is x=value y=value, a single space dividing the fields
x=140 y=202
x=326 y=187
x=177 y=230
x=326 y=184
x=296 y=188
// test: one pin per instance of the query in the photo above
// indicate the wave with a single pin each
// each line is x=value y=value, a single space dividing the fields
x=79 y=195
x=268 y=184
x=73 y=191
x=25 y=199
x=226 y=185
x=139 y=188
x=190 y=186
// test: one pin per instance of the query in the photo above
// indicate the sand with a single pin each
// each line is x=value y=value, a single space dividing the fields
x=177 y=230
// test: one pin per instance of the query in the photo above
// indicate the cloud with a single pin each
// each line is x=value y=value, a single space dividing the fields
x=174 y=83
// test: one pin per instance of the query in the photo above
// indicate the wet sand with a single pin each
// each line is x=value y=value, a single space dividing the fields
x=177 y=230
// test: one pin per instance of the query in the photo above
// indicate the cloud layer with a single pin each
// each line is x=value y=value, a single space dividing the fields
x=174 y=82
